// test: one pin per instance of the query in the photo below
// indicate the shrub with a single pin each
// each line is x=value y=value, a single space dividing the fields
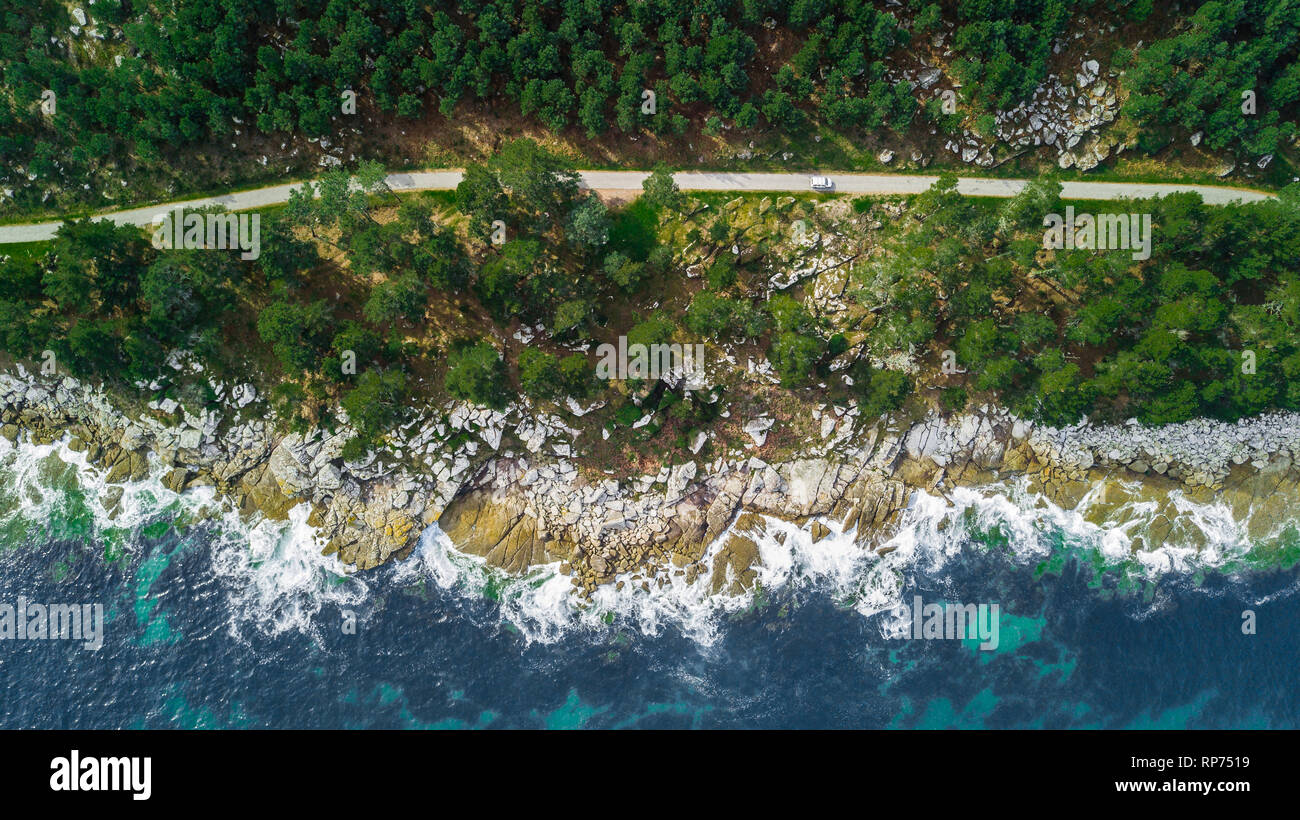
x=476 y=373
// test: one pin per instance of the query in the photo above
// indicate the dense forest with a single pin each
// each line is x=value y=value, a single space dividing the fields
x=417 y=294
x=144 y=89
x=1205 y=327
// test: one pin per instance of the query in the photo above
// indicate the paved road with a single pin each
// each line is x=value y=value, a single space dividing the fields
x=690 y=181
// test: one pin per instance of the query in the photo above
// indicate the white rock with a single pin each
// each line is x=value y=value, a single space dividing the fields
x=757 y=429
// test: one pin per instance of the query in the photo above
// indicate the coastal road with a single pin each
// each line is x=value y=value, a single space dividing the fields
x=880 y=184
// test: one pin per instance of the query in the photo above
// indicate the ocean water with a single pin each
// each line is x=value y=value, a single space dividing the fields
x=216 y=622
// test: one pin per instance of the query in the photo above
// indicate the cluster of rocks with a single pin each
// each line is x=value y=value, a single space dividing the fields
x=1199 y=453
x=687 y=520
x=1067 y=117
x=702 y=522
x=365 y=513
x=1065 y=114
x=81 y=23
x=683 y=522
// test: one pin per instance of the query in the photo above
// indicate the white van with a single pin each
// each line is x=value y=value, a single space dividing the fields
x=822 y=184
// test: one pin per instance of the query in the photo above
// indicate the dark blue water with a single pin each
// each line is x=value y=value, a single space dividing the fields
x=185 y=648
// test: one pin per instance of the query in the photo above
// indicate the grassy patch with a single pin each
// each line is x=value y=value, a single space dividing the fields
x=25 y=250
x=634 y=229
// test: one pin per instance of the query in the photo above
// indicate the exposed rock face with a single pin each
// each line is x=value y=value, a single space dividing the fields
x=366 y=516
x=694 y=519
x=733 y=567
x=708 y=528
x=1068 y=113
x=497 y=526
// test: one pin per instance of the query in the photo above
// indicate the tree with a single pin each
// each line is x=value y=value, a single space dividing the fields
x=789 y=314
x=476 y=373
x=405 y=297
x=373 y=179
x=589 y=223
x=339 y=203
x=793 y=355
x=97 y=265
x=94 y=348
x=1062 y=396
x=185 y=291
x=17 y=336
x=661 y=191
x=709 y=314
x=570 y=315
x=721 y=275
x=576 y=375
x=715 y=316
x=285 y=259
x=1027 y=209
x=999 y=374
x=500 y=279
x=1032 y=329
x=539 y=373
x=441 y=262
x=480 y=197
x=353 y=336
x=540 y=184
x=623 y=272
x=657 y=330
x=377 y=404
x=296 y=332
x=979 y=343
x=879 y=391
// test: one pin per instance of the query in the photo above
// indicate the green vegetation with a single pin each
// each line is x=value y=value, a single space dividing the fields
x=158 y=96
x=477 y=374
x=378 y=304
x=1231 y=72
x=545 y=376
x=1205 y=326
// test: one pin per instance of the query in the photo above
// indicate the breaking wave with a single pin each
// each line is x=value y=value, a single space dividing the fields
x=272 y=573
x=275 y=580
x=1025 y=528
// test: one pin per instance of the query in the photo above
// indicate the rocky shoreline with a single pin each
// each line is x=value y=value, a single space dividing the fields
x=520 y=509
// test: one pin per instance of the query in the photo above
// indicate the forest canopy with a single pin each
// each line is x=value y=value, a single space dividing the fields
x=158 y=79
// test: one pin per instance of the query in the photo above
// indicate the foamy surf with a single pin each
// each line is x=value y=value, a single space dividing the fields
x=932 y=533
x=273 y=573
x=276 y=580
x=276 y=577
x=47 y=484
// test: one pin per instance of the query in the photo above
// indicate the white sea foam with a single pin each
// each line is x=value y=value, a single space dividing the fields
x=29 y=469
x=277 y=581
x=931 y=534
x=273 y=572
x=276 y=577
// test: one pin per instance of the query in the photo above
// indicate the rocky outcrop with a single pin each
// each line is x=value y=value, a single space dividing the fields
x=692 y=519
x=366 y=514
x=1066 y=114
